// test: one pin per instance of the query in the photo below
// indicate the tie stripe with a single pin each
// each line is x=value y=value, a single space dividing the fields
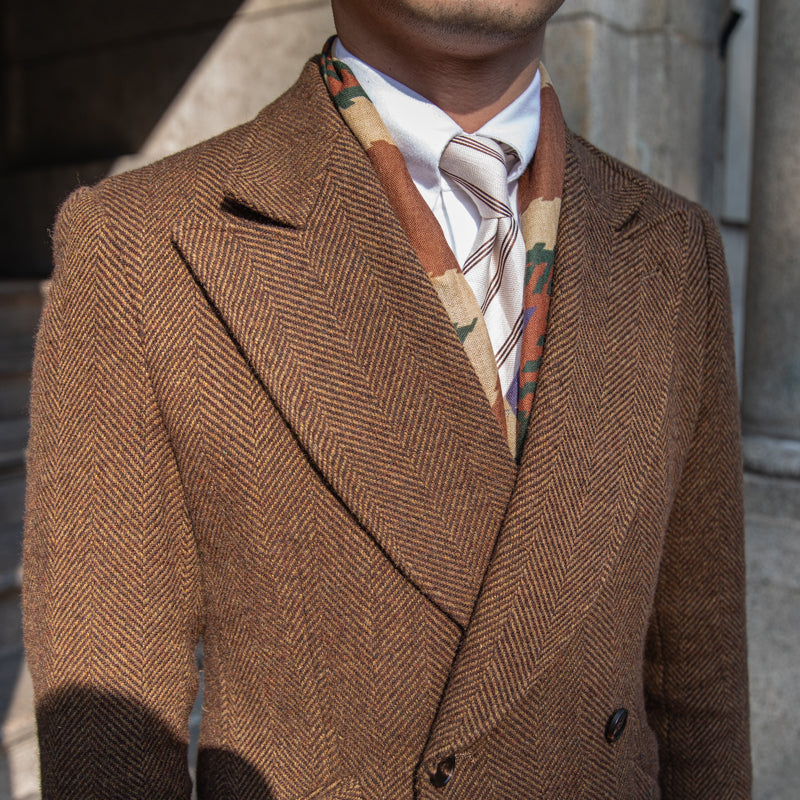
x=506 y=250
x=479 y=146
x=477 y=255
x=502 y=209
x=508 y=346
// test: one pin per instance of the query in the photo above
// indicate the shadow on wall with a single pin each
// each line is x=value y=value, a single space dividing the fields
x=84 y=83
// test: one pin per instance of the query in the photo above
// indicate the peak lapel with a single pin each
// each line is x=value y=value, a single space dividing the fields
x=598 y=411
x=314 y=278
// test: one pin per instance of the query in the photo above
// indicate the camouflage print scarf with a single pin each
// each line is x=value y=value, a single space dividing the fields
x=539 y=204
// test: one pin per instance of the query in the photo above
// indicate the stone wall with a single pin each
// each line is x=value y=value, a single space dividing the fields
x=87 y=84
x=256 y=57
x=643 y=80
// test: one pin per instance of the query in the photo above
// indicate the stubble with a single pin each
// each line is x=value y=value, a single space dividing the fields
x=476 y=18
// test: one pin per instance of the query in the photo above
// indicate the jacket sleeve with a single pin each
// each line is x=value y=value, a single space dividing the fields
x=110 y=593
x=696 y=659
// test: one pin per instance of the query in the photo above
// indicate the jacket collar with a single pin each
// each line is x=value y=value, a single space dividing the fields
x=277 y=173
x=280 y=167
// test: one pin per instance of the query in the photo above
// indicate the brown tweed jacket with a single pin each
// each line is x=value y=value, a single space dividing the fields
x=253 y=423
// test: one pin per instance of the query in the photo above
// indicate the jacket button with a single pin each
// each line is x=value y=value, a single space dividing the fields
x=440 y=777
x=616 y=724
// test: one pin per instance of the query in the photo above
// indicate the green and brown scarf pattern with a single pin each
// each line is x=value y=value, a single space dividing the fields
x=539 y=204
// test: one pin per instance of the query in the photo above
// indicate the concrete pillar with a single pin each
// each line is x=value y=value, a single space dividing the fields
x=771 y=396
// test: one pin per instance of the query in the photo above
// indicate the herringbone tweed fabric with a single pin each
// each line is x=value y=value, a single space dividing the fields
x=254 y=422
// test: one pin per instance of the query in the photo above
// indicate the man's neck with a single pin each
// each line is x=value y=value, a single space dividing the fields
x=471 y=88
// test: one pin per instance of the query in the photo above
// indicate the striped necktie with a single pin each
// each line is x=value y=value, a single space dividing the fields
x=495 y=269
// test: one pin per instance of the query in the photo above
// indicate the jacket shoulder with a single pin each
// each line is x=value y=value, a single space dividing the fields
x=675 y=236
x=615 y=181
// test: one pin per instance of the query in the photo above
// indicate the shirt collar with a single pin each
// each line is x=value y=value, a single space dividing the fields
x=422 y=130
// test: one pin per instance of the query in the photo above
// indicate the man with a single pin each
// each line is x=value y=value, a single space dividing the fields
x=273 y=410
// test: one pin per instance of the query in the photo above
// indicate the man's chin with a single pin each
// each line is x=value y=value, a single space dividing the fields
x=490 y=19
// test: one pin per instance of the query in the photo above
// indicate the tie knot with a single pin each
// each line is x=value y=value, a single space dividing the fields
x=478 y=165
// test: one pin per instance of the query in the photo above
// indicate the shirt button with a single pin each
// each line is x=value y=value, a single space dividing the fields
x=440 y=777
x=616 y=725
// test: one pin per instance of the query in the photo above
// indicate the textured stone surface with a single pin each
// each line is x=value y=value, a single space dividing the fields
x=258 y=55
x=210 y=63
x=19 y=753
x=768 y=495
x=61 y=105
x=646 y=85
x=81 y=25
x=772 y=366
x=61 y=79
x=688 y=18
x=629 y=15
x=568 y=50
x=777 y=457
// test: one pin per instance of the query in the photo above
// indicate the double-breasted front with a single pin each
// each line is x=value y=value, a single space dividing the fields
x=254 y=424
